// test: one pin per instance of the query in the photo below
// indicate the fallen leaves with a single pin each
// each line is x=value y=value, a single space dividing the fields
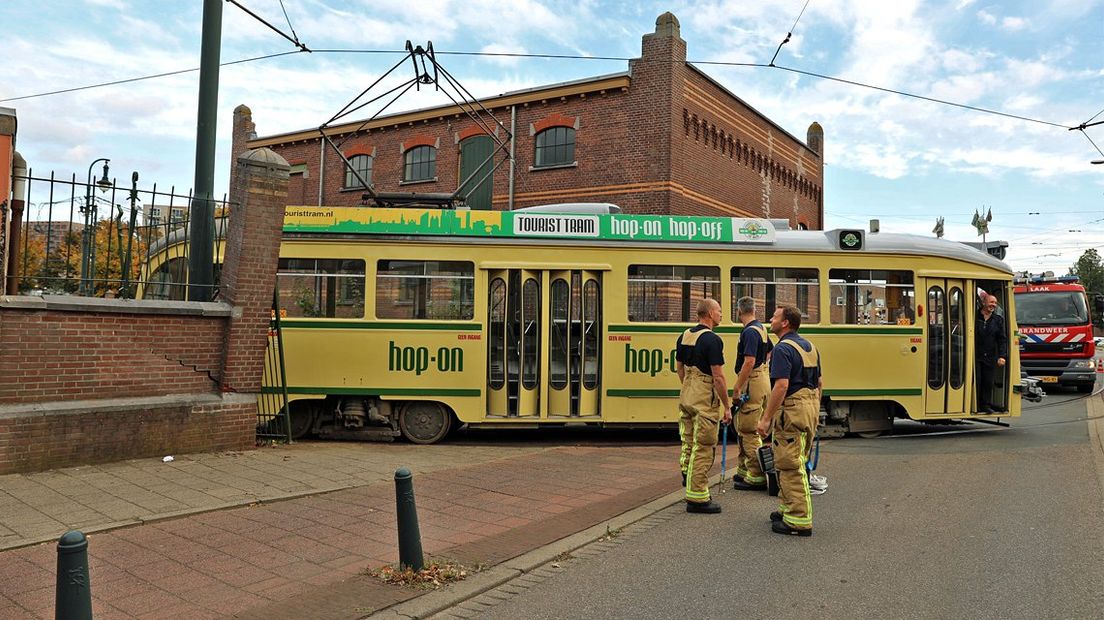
x=433 y=576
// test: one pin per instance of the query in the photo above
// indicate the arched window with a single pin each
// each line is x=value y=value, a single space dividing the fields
x=420 y=164
x=555 y=147
x=362 y=164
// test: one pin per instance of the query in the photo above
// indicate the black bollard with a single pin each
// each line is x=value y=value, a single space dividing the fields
x=410 y=539
x=73 y=598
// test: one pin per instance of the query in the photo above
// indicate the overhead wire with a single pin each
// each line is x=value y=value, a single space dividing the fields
x=294 y=40
x=146 y=77
x=788 y=34
x=545 y=56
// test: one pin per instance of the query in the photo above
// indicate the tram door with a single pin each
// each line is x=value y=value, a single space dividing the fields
x=543 y=343
x=575 y=336
x=514 y=343
x=947 y=306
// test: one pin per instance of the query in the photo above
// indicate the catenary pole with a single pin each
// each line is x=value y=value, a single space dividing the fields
x=201 y=226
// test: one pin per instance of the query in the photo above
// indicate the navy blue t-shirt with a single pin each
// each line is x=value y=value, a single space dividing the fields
x=751 y=343
x=707 y=351
x=786 y=364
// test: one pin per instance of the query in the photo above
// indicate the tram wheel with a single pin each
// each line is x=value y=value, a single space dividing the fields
x=424 y=422
x=870 y=434
x=302 y=418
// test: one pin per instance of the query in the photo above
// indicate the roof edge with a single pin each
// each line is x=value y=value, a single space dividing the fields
x=752 y=108
x=609 y=81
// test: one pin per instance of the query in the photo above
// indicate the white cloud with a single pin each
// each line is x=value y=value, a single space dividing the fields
x=987 y=18
x=963 y=4
x=499 y=48
x=1013 y=24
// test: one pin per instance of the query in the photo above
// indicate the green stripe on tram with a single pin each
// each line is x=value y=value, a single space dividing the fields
x=390 y=325
x=812 y=329
x=630 y=393
x=875 y=392
x=370 y=391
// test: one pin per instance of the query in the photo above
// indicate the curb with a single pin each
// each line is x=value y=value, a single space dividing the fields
x=1095 y=415
x=437 y=601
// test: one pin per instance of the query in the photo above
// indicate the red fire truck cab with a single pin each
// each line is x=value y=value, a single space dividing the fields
x=1056 y=330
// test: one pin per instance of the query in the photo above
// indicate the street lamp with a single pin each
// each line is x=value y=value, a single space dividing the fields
x=88 y=235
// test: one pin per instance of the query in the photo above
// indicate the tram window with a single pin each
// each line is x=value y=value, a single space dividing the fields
x=169 y=281
x=956 y=324
x=772 y=287
x=321 y=287
x=670 y=293
x=937 y=323
x=559 y=358
x=871 y=297
x=434 y=290
x=592 y=326
x=496 y=366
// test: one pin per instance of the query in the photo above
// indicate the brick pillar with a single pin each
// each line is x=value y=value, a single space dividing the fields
x=243 y=130
x=657 y=88
x=249 y=265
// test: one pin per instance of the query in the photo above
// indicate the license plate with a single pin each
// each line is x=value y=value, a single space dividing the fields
x=1046 y=379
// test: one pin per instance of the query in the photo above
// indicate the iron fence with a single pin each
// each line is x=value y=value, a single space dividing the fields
x=274 y=420
x=107 y=240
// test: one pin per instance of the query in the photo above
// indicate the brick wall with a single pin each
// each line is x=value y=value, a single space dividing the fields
x=85 y=380
x=96 y=349
x=653 y=146
x=82 y=432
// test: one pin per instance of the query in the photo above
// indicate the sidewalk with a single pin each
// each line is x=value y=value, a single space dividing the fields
x=302 y=557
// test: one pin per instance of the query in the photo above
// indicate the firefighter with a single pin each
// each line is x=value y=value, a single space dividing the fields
x=791 y=420
x=751 y=376
x=703 y=403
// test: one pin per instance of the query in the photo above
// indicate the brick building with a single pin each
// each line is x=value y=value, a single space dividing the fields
x=662 y=137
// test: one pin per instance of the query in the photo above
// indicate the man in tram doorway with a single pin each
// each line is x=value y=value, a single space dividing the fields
x=991 y=349
x=703 y=403
x=751 y=376
x=791 y=419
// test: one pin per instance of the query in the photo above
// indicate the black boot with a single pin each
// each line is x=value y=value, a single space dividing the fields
x=740 y=484
x=710 y=508
x=780 y=527
x=775 y=516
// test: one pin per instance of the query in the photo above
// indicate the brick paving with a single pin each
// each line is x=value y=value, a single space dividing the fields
x=304 y=557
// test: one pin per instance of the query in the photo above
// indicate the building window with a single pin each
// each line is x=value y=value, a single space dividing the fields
x=420 y=164
x=555 y=147
x=670 y=293
x=358 y=164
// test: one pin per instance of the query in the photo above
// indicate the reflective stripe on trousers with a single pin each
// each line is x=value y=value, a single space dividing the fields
x=699 y=419
x=792 y=439
x=747 y=460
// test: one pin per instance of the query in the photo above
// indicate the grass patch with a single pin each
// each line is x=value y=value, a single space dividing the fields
x=610 y=533
x=436 y=573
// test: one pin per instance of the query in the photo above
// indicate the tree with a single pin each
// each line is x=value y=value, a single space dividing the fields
x=60 y=271
x=1090 y=268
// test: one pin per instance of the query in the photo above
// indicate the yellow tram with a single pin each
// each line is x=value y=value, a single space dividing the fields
x=411 y=321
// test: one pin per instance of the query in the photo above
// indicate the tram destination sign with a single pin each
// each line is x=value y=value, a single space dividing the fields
x=513 y=224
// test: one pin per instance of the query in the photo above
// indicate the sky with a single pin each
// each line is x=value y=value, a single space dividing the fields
x=901 y=160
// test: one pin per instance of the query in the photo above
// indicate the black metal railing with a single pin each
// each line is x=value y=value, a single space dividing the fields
x=273 y=419
x=107 y=240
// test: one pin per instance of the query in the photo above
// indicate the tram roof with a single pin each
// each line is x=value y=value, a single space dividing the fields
x=617 y=229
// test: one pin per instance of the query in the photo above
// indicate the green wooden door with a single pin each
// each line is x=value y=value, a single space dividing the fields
x=476 y=179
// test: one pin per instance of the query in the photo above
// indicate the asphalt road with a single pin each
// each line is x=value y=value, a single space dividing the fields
x=988 y=523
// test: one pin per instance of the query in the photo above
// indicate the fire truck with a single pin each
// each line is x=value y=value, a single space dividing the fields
x=1056 y=335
